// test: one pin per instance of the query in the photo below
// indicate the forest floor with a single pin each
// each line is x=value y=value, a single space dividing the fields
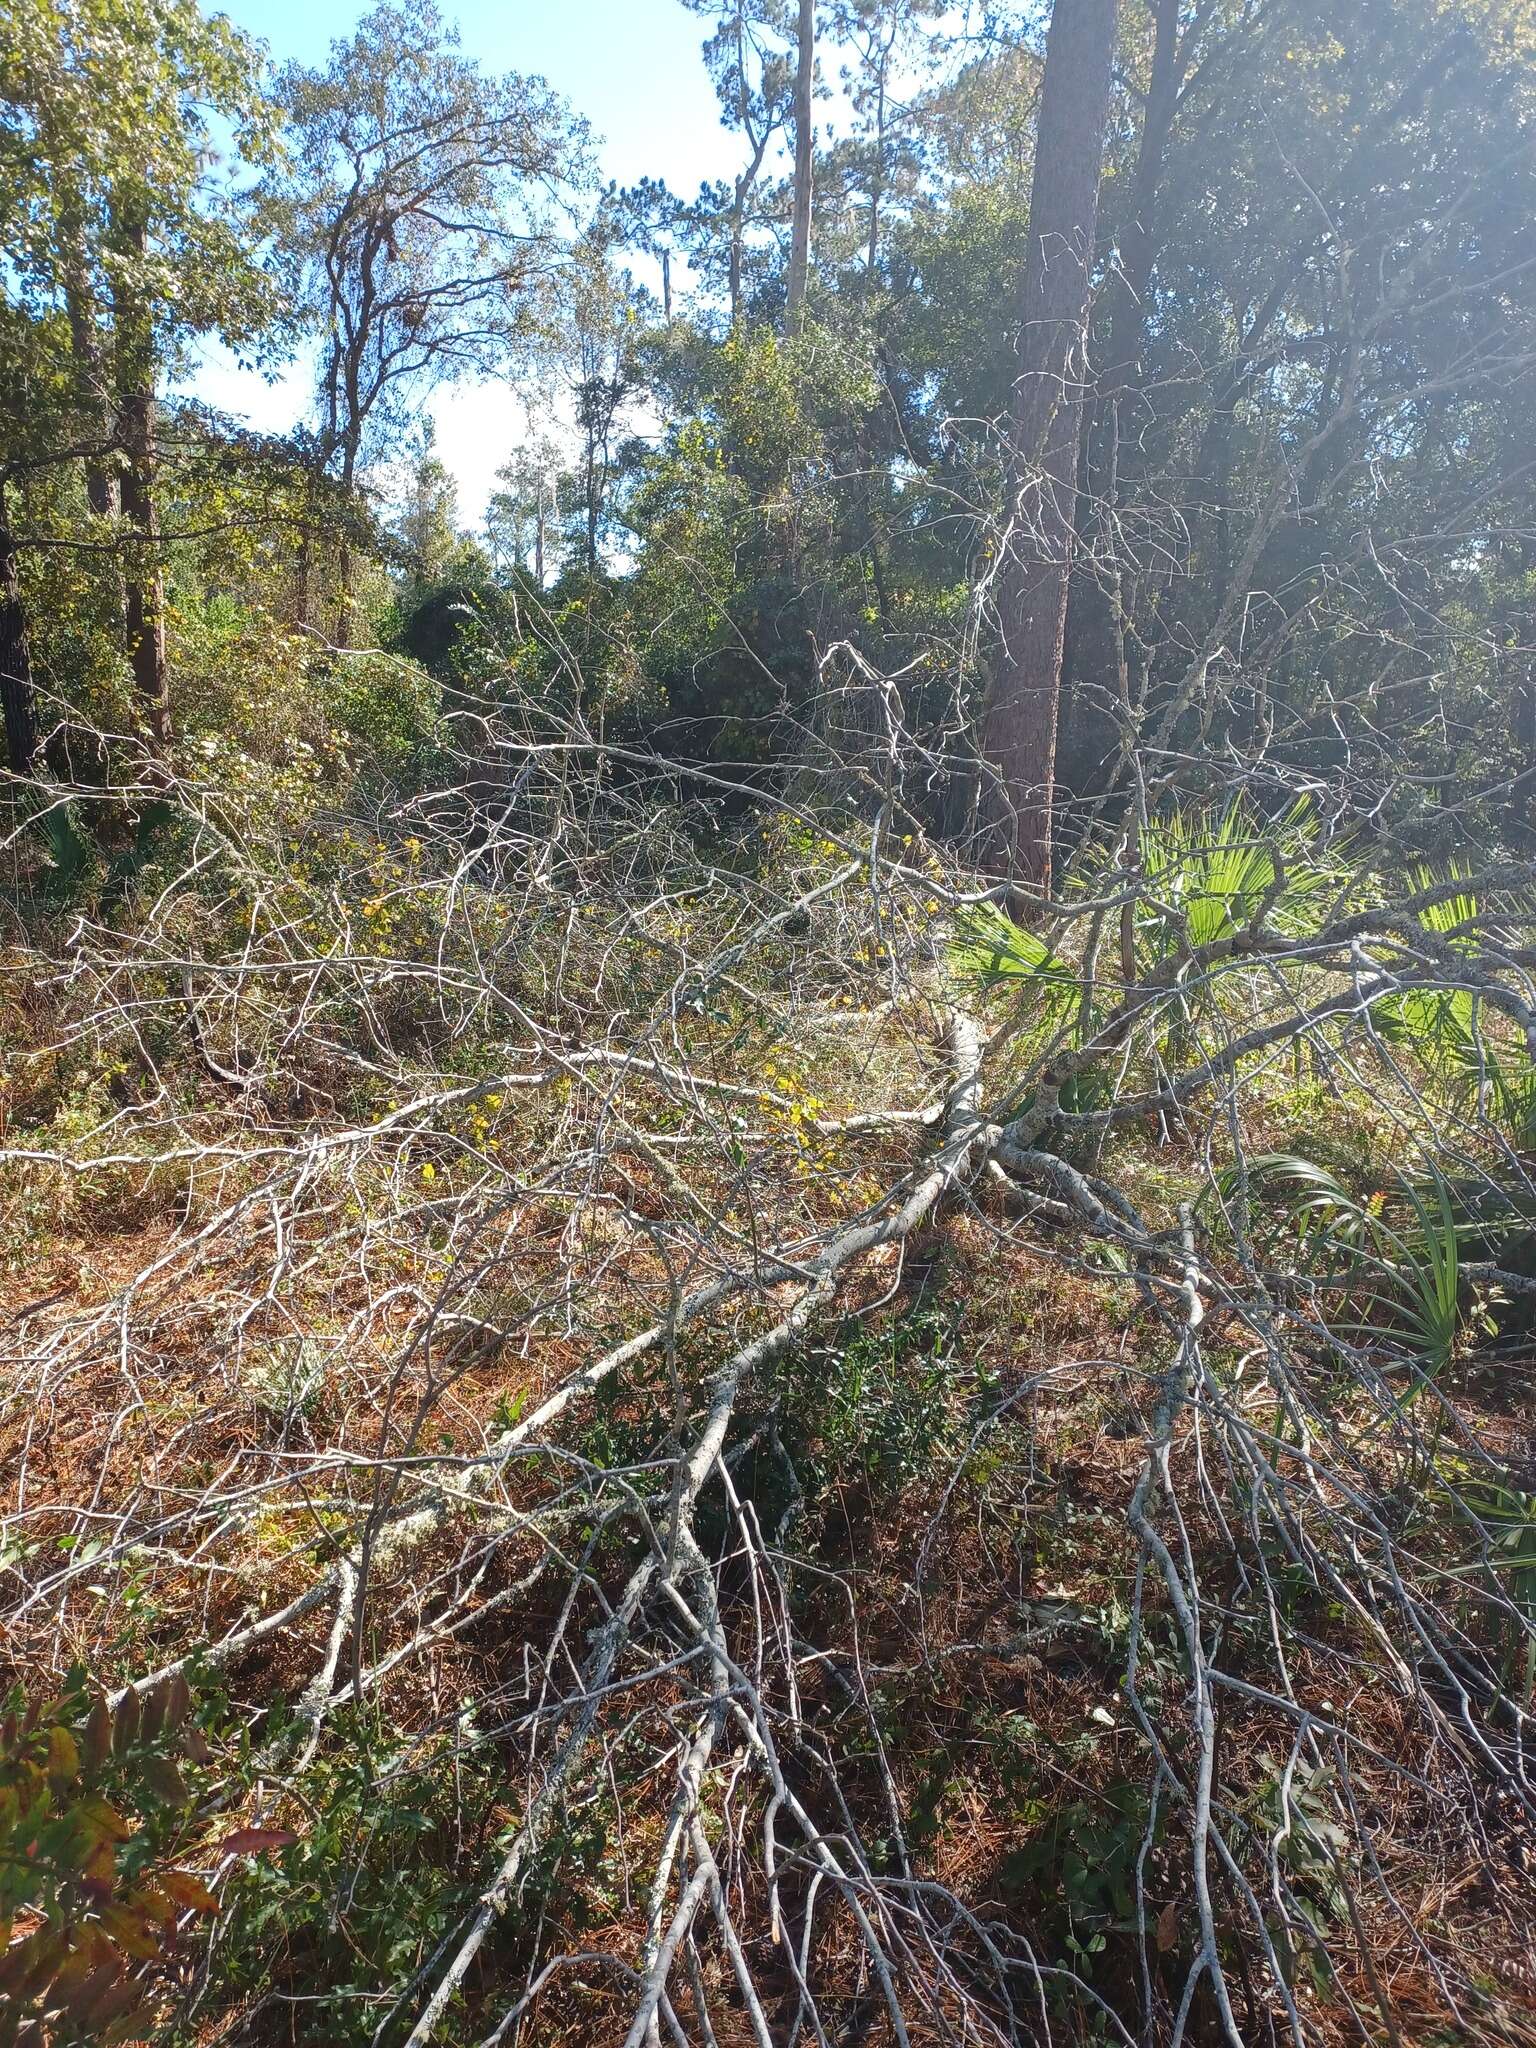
x=422 y=1358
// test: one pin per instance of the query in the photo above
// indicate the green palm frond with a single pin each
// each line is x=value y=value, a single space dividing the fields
x=992 y=952
x=1404 y=1240
x=1437 y=1024
x=1441 y=1026
x=1447 y=917
x=1212 y=870
x=1505 y=1520
x=1424 y=1262
x=1514 y=1100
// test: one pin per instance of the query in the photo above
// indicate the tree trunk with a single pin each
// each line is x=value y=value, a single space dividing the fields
x=736 y=242
x=1091 y=663
x=145 y=633
x=100 y=484
x=877 y=178
x=342 y=636
x=800 y=230
x=85 y=336
x=145 y=609
x=303 y=570
x=1047 y=416
x=1514 y=626
x=1132 y=276
x=18 y=696
x=592 y=509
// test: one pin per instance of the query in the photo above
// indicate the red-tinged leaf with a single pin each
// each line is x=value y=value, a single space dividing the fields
x=195 y=1744
x=152 y=1898
x=28 y=1966
x=165 y=1781
x=125 y=1722
x=122 y=2016
x=72 y=1973
x=63 y=1755
x=178 y=1700
x=152 y=1713
x=104 y=1819
x=1167 y=1928
x=189 y=1892
x=100 y=1870
x=255 y=1841
x=91 y=1940
x=138 y=2025
x=98 y=1734
x=83 y=2001
x=133 y=1930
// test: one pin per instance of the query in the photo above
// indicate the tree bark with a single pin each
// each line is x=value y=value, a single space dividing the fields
x=100 y=485
x=1132 y=277
x=85 y=337
x=145 y=610
x=18 y=695
x=1092 y=651
x=342 y=636
x=800 y=229
x=746 y=178
x=1047 y=417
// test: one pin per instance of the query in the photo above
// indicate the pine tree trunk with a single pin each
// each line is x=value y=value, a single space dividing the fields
x=145 y=607
x=18 y=696
x=145 y=630
x=800 y=230
x=736 y=255
x=1092 y=730
x=1047 y=418
x=85 y=335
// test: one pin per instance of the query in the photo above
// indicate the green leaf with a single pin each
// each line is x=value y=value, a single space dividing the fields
x=165 y=1781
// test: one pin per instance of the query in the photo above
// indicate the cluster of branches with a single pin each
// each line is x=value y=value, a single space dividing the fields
x=641 y=1627
x=489 y=1064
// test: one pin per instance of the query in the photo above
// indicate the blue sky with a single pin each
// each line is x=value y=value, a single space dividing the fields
x=632 y=67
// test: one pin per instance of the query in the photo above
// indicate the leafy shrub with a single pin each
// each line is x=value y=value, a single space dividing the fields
x=392 y=1859
x=93 y=1806
x=387 y=715
x=1079 y=1864
x=875 y=1403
